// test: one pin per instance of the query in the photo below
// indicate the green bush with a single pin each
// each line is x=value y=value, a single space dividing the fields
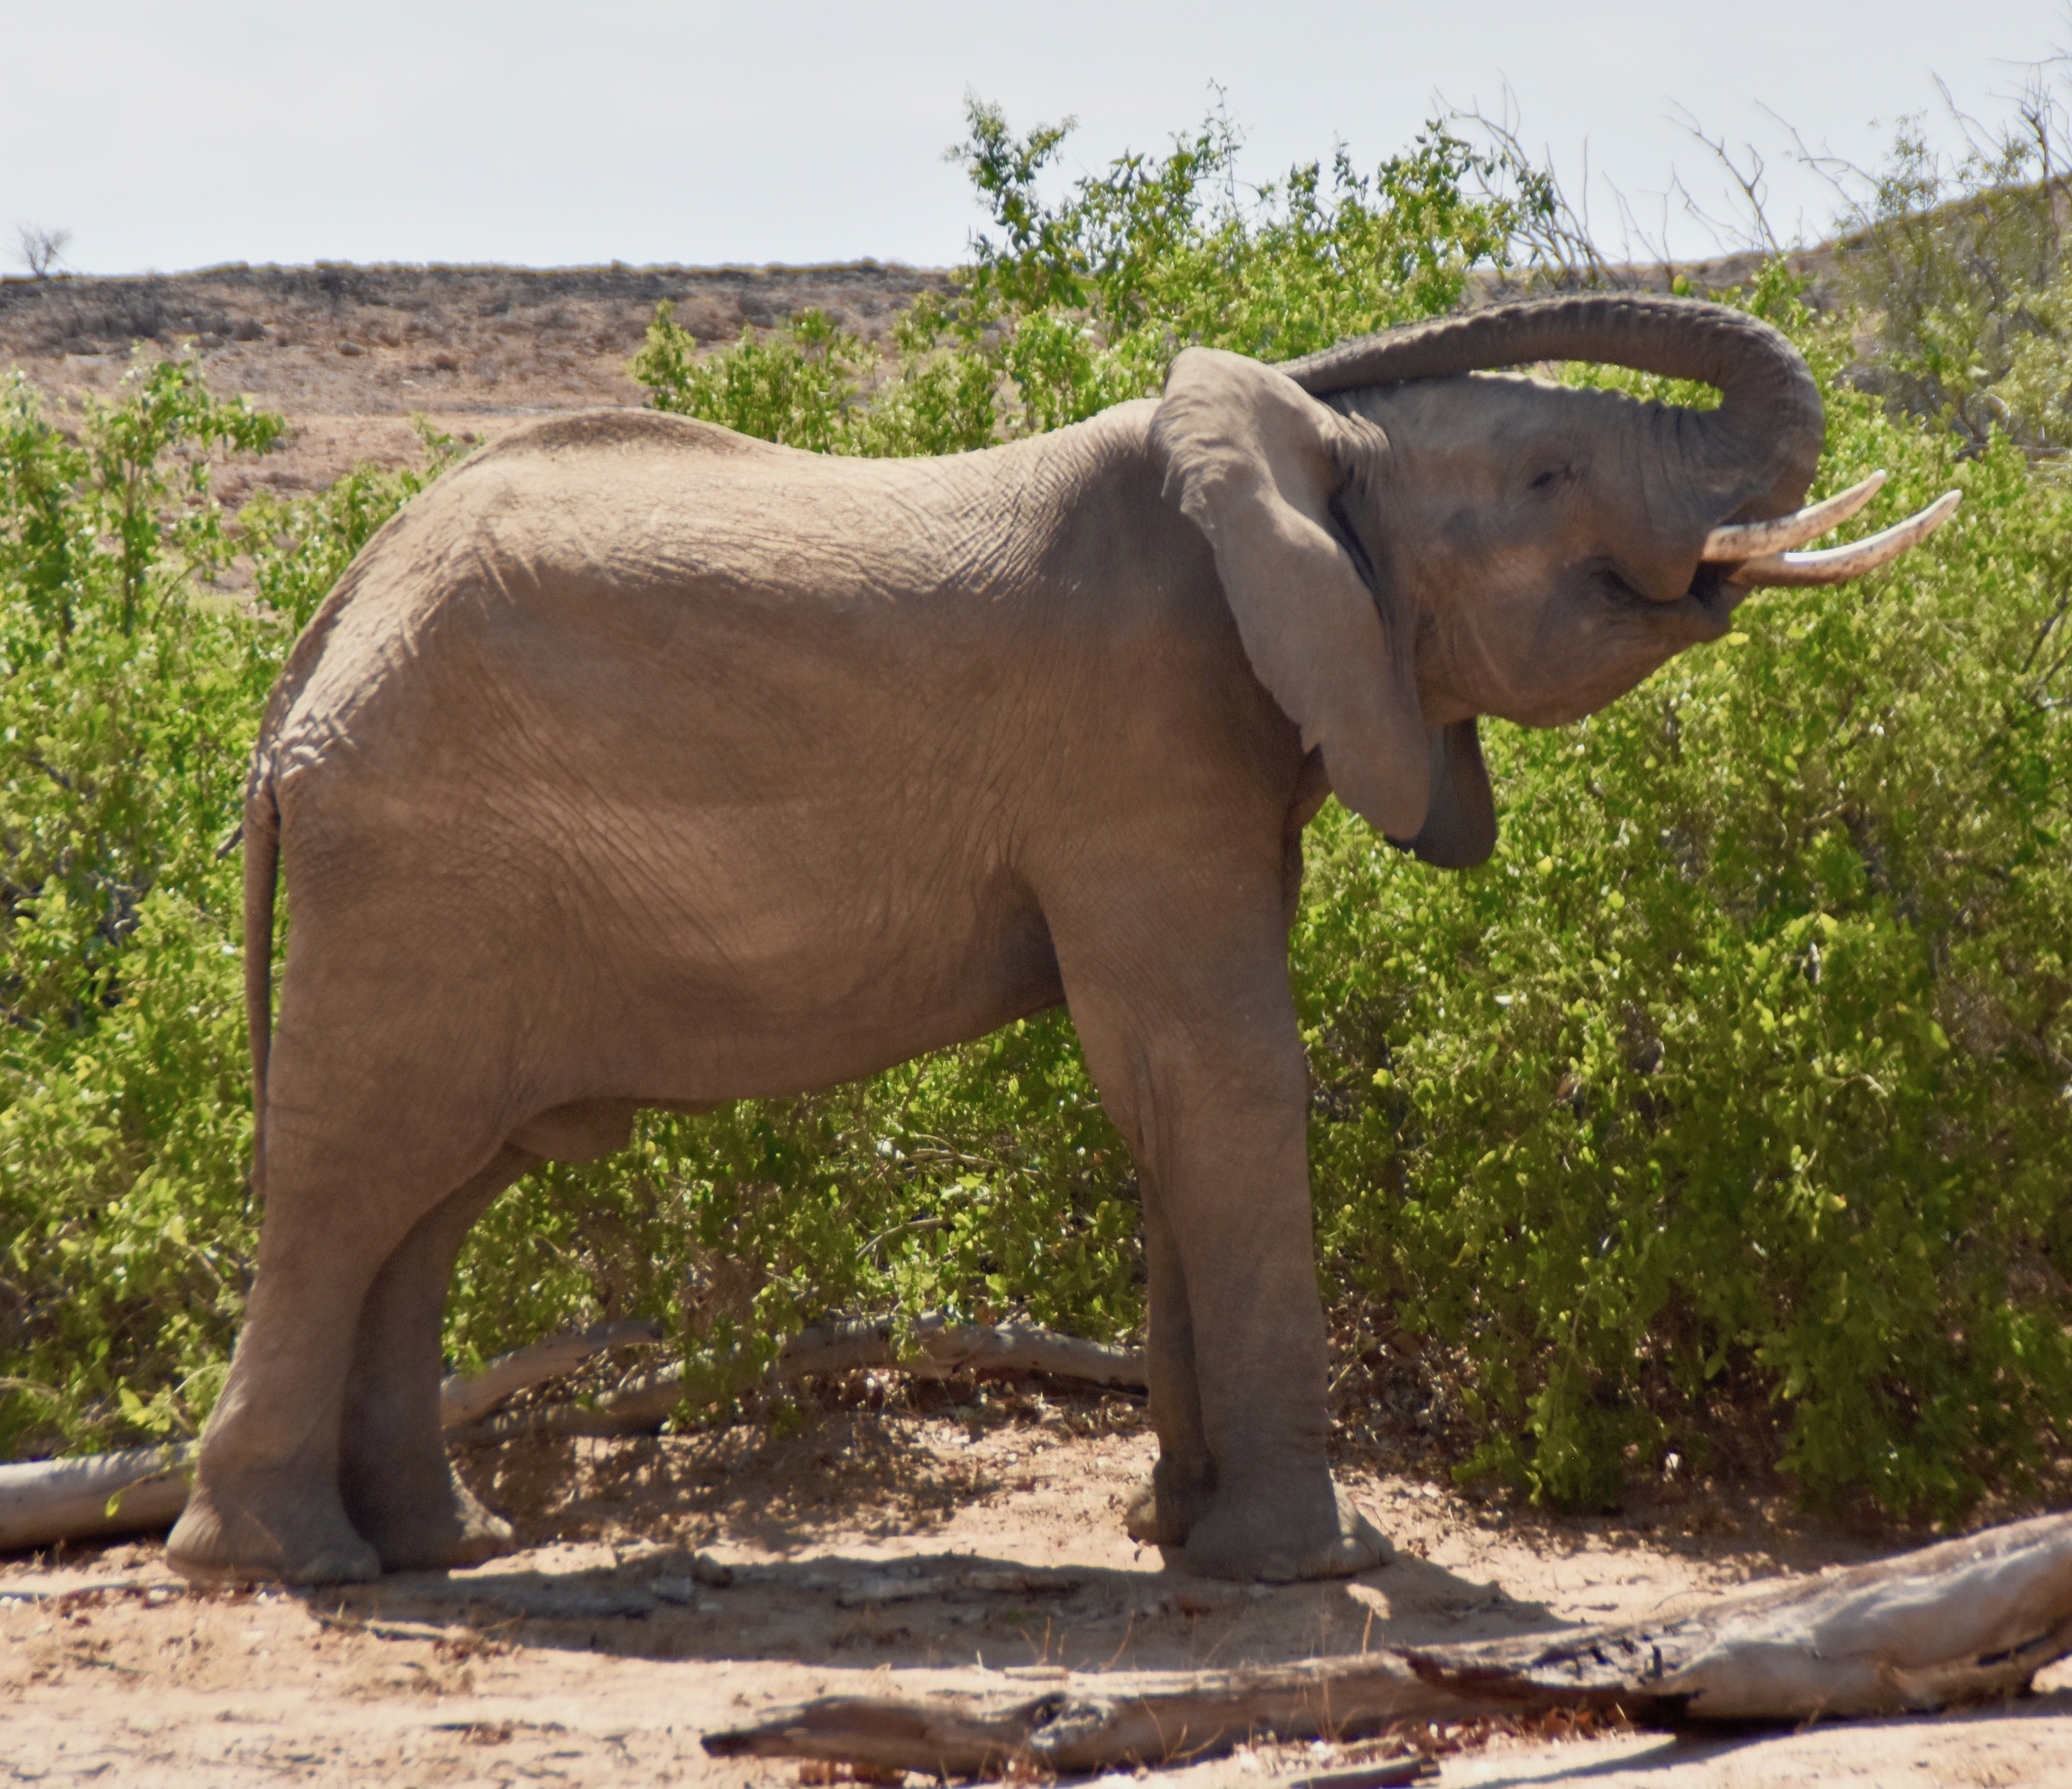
x=1955 y=266
x=974 y=1181
x=129 y=698
x=1733 y=1098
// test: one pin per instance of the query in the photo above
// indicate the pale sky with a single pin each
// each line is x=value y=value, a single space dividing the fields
x=179 y=133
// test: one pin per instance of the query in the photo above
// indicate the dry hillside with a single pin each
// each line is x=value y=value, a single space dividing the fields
x=349 y=353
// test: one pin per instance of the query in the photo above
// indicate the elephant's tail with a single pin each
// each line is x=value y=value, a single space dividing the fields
x=262 y=859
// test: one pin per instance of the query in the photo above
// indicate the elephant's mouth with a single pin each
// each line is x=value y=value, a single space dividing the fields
x=1714 y=597
x=1740 y=558
x=1700 y=613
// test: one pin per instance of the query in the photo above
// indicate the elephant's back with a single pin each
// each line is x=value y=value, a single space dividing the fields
x=591 y=544
x=669 y=616
x=623 y=624
x=619 y=428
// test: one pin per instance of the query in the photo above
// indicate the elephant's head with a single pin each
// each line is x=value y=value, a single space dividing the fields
x=1408 y=541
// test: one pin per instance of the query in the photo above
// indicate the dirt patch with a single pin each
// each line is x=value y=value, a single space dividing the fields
x=942 y=1545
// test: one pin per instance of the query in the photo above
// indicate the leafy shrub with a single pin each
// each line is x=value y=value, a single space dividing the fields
x=973 y=1181
x=811 y=384
x=129 y=697
x=1957 y=265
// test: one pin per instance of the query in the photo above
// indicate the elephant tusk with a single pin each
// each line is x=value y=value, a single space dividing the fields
x=1753 y=540
x=1838 y=565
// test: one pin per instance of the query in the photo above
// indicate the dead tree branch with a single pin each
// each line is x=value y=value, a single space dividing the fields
x=464 y=1401
x=944 y=1350
x=1964 y=1621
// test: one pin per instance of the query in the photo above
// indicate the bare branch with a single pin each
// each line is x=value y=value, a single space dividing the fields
x=1560 y=241
x=464 y=1401
x=1754 y=234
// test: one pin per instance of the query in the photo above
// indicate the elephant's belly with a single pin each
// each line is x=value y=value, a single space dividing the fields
x=688 y=878
x=740 y=993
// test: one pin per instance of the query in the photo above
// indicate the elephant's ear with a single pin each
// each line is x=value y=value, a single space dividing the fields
x=1255 y=462
x=1460 y=823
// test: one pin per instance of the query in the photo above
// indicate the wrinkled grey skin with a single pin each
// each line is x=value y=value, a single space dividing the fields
x=637 y=764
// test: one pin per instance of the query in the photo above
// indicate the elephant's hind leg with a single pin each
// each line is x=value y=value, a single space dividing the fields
x=265 y=1502
x=400 y=1490
x=355 y=1158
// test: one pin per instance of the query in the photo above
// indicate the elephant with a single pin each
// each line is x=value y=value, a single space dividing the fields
x=637 y=764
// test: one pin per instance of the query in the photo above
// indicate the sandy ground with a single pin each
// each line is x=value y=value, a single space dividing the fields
x=597 y=1656
x=111 y=1669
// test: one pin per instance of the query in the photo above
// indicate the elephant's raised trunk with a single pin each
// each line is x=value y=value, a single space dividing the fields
x=1751 y=458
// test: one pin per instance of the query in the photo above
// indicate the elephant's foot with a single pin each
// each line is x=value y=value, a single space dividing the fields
x=267 y=1527
x=1285 y=1535
x=428 y=1522
x=1172 y=1500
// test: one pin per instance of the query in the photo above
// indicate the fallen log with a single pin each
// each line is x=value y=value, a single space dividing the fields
x=43 y=1502
x=944 y=1350
x=1963 y=1621
x=1960 y=1621
x=947 y=1349
x=1094 y=1721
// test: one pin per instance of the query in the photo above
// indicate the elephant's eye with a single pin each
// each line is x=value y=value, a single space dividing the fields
x=1547 y=478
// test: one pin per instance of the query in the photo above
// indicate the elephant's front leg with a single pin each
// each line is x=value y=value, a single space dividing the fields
x=1204 y=1074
